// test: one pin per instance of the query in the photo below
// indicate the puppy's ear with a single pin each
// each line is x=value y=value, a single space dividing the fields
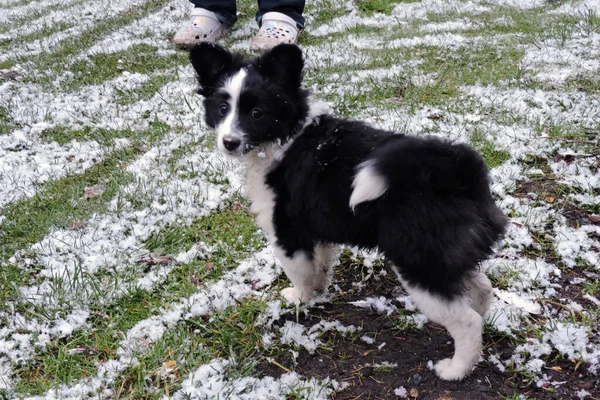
x=283 y=63
x=211 y=62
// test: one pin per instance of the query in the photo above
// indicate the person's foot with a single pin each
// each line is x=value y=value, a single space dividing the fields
x=204 y=26
x=276 y=28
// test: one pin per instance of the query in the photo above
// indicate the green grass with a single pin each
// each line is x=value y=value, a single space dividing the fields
x=231 y=234
x=60 y=202
x=44 y=32
x=491 y=154
x=140 y=58
x=370 y=7
x=432 y=78
x=34 y=14
x=230 y=333
x=69 y=47
x=66 y=361
x=6 y=121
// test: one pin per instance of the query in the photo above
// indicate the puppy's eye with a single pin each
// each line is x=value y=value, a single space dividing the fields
x=223 y=108
x=257 y=113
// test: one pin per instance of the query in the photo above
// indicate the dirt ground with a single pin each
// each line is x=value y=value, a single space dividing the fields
x=348 y=360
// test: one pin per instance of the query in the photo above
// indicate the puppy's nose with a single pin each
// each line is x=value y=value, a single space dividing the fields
x=231 y=143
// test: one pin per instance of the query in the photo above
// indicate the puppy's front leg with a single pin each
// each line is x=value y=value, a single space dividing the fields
x=305 y=273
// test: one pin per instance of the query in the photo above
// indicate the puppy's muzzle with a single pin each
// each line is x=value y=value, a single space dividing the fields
x=231 y=143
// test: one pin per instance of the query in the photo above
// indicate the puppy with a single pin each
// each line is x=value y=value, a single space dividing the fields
x=317 y=181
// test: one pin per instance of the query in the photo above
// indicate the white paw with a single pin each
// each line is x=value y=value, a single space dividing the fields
x=449 y=371
x=291 y=295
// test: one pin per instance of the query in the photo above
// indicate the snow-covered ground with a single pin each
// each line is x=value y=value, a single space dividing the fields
x=180 y=179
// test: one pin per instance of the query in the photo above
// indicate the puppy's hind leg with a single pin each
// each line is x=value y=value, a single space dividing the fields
x=479 y=292
x=326 y=256
x=464 y=324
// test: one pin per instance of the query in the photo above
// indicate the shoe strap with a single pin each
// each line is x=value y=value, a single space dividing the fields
x=202 y=12
x=279 y=17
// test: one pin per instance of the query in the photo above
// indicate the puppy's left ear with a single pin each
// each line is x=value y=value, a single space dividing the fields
x=211 y=62
x=283 y=63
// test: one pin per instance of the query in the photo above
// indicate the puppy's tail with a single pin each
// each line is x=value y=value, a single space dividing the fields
x=416 y=169
x=368 y=184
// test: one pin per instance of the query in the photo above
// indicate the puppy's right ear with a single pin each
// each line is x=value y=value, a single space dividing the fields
x=211 y=62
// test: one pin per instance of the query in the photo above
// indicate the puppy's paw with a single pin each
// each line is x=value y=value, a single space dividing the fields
x=291 y=295
x=449 y=371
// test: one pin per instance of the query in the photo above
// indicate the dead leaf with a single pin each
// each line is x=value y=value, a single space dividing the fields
x=170 y=365
x=414 y=393
x=208 y=265
x=78 y=225
x=550 y=199
x=7 y=75
x=82 y=350
x=446 y=395
x=557 y=369
x=93 y=192
x=594 y=217
x=154 y=259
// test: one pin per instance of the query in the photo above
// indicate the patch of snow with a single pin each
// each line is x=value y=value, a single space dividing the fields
x=86 y=15
x=367 y=339
x=25 y=162
x=211 y=381
x=539 y=107
x=573 y=245
x=459 y=25
x=402 y=13
x=578 y=8
x=379 y=305
x=296 y=334
x=401 y=392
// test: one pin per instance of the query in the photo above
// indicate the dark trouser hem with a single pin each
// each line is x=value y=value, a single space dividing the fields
x=291 y=8
x=224 y=9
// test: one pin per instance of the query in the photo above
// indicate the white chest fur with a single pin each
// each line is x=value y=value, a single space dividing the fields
x=258 y=165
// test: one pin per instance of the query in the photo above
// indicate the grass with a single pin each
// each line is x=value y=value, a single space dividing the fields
x=407 y=78
x=60 y=203
x=143 y=59
x=370 y=7
x=230 y=234
x=71 y=46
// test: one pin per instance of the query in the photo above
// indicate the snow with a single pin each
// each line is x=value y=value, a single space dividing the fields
x=402 y=13
x=210 y=381
x=172 y=184
x=86 y=14
x=401 y=392
x=379 y=305
x=583 y=394
x=367 y=339
x=575 y=244
x=25 y=162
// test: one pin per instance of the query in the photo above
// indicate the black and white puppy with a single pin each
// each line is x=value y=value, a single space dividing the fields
x=317 y=181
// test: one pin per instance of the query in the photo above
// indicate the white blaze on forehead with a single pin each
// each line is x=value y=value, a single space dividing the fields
x=228 y=126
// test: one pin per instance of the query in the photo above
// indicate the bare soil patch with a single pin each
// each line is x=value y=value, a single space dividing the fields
x=353 y=361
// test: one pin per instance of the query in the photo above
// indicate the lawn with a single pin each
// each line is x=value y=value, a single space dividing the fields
x=131 y=268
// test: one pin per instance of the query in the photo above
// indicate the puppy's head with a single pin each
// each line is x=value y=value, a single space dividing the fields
x=251 y=102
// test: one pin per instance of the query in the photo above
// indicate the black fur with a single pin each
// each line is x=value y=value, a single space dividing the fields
x=436 y=222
